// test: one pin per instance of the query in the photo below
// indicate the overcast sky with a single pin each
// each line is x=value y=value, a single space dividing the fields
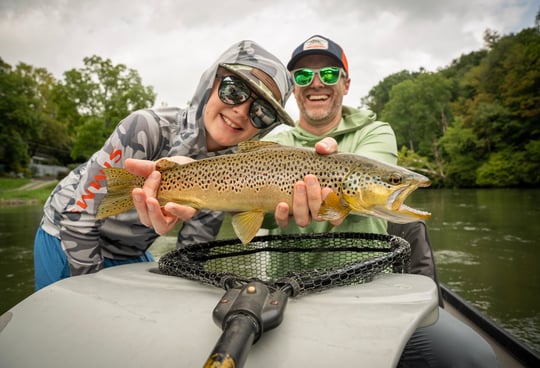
x=171 y=42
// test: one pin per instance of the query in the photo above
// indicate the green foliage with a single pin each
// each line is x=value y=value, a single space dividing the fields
x=460 y=150
x=90 y=137
x=10 y=184
x=478 y=120
x=95 y=98
x=63 y=120
x=413 y=161
x=500 y=170
x=18 y=114
x=506 y=83
x=419 y=111
x=379 y=95
x=530 y=168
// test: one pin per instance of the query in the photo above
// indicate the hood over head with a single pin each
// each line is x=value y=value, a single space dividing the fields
x=260 y=69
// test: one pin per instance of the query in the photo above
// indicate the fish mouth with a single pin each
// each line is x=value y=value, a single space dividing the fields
x=397 y=211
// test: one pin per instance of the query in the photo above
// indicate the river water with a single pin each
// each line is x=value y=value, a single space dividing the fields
x=487 y=249
x=486 y=242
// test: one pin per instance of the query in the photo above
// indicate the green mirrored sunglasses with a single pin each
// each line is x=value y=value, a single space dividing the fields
x=304 y=76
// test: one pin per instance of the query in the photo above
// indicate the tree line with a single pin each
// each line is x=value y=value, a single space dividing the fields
x=475 y=122
x=64 y=120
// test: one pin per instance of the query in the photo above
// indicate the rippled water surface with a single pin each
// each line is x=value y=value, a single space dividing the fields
x=487 y=249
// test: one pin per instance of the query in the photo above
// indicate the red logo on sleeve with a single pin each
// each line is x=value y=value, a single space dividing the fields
x=98 y=181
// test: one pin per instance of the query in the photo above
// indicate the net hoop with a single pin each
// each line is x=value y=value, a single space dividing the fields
x=296 y=263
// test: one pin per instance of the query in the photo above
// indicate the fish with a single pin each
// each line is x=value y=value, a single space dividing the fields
x=252 y=181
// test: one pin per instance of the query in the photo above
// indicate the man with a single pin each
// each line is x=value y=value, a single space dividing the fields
x=320 y=72
x=320 y=82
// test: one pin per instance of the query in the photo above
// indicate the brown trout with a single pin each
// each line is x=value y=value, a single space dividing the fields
x=253 y=181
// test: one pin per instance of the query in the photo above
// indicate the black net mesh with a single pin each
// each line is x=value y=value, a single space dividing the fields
x=299 y=263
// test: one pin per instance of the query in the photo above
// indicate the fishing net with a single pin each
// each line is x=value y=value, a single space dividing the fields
x=297 y=264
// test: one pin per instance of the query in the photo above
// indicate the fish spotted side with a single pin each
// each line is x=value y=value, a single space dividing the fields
x=253 y=181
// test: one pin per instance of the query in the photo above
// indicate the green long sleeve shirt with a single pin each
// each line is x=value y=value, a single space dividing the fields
x=358 y=132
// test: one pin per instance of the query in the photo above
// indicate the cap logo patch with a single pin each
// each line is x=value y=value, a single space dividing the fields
x=316 y=43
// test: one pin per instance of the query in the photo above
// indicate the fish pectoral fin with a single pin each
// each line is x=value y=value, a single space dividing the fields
x=246 y=224
x=184 y=201
x=333 y=208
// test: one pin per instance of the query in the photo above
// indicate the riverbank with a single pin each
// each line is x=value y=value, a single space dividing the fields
x=20 y=192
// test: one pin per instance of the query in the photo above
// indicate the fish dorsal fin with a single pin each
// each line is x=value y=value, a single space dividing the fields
x=250 y=146
x=246 y=224
x=164 y=164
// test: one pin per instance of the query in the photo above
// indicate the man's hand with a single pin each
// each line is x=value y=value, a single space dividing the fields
x=308 y=194
x=148 y=208
x=326 y=146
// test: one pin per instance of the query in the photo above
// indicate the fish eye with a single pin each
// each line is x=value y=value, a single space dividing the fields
x=395 y=179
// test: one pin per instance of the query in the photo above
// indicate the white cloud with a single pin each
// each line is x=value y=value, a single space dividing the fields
x=171 y=42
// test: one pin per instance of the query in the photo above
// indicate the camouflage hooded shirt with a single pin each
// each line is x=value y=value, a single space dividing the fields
x=69 y=213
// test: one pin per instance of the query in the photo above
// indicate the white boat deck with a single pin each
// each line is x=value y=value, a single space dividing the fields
x=131 y=316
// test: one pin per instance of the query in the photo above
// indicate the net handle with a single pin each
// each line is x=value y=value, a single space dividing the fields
x=244 y=314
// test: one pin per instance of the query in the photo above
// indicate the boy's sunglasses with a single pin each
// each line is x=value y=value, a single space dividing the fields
x=234 y=91
x=304 y=76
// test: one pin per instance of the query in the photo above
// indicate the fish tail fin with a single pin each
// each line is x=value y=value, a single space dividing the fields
x=120 y=184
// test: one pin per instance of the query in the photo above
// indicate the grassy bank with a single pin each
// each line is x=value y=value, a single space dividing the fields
x=24 y=191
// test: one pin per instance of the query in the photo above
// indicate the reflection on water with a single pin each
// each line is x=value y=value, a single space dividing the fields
x=447 y=257
x=486 y=242
x=17 y=229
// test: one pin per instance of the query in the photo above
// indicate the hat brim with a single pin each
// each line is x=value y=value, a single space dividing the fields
x=244 y=73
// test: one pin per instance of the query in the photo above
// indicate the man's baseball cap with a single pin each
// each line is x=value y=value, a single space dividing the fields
x=322 y=46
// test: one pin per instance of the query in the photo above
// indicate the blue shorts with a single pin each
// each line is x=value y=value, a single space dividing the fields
x=51 y=264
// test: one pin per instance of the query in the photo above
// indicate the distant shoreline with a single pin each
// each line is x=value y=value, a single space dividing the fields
x=18 y=202
x=28 y=193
